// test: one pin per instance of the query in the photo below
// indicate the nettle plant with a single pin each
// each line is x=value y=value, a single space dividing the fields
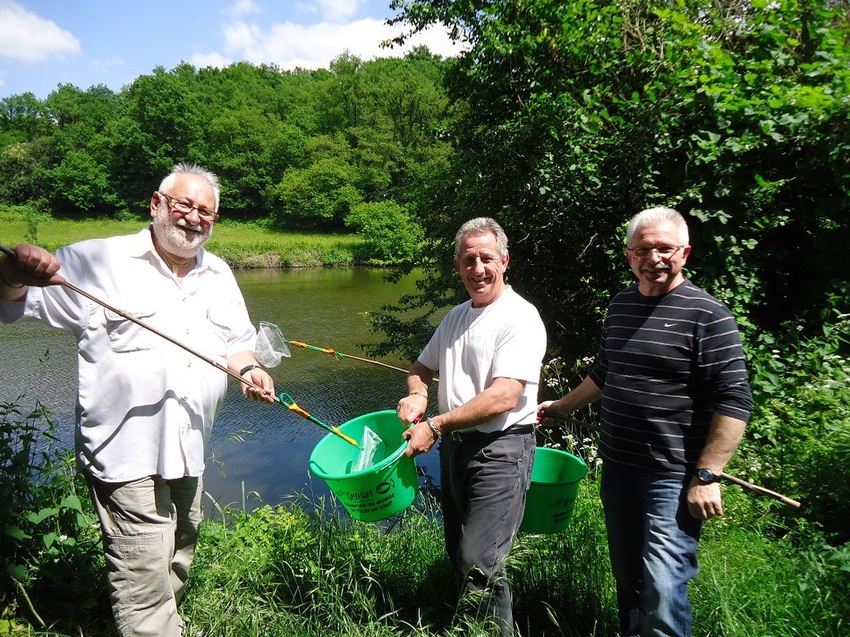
x=49 y=540
x=578 y=435
x=798 y=439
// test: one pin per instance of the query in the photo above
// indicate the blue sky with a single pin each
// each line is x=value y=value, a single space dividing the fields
x=45 y=43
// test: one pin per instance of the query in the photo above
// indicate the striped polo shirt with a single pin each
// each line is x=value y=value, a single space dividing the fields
x=666 y=364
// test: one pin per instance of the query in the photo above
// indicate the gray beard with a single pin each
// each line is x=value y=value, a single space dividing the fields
x=174 y=240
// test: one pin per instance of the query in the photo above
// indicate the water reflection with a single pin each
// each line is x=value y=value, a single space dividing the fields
x=265 y=447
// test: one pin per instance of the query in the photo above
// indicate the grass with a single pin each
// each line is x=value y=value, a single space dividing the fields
x=242 y=245
x=283 y=572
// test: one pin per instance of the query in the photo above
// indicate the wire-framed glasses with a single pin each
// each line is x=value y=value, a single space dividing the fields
x=665 y=252
x=185 y=207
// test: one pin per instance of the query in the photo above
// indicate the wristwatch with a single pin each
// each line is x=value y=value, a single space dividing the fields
x=707 y=476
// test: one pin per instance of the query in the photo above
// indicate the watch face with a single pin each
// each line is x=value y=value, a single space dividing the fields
x=706 y=475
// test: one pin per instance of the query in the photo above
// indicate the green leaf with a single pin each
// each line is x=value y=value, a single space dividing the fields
x=18 y=571
x=38 y=518
x=72 y=502
x=48 y=539
x=15 y=532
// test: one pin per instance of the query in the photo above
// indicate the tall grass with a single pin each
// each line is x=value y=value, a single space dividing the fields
x=283 y=572
x=306 y=569
x=242 y=245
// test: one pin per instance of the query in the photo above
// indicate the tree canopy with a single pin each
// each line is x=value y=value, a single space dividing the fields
x=575 y=116
x=295 y=150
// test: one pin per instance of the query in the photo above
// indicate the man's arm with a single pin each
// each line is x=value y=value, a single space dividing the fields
x=501 y=396
x=724 y=436
x=253 y=372
x=584 y=394
x=30 y=265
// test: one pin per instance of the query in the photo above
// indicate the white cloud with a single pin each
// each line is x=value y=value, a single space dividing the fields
x=338 y=10
x=26 y=36
x=289 y=45
x=243 y=7
x=216 y=60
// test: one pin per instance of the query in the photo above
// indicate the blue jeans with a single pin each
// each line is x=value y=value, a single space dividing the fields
x=652 y=541
x=484 y=482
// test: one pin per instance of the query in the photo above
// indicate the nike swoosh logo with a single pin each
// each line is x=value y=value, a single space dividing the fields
x=669 y=324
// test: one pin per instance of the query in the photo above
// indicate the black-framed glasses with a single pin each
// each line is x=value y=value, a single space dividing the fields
x=665 y=252
x=185 y=207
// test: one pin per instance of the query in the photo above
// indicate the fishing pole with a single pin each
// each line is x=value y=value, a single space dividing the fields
x=286 y=399
x=272 y=333
x=334 y=430
x=741 y=483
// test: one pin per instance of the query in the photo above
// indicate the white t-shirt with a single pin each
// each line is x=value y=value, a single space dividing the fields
x=145 y=406
x=473 y=346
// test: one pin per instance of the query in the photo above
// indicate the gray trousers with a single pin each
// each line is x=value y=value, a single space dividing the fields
x=150 y=529
x=484 y=483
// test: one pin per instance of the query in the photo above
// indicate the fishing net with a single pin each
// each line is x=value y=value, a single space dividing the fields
x=371 y=451
x=271 y=346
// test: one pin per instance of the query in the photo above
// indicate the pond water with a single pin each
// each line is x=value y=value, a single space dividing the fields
x=256 y=448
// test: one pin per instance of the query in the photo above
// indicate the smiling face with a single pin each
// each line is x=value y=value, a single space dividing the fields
x=657 y=274
x=481 y=268
x=183 y=235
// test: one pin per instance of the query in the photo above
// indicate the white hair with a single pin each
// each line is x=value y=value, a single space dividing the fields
x=482 y=225
x=191 y=169
x=658 y=215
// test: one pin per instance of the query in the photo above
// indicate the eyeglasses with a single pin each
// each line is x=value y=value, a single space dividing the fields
x=665 y=252
x=185 y=207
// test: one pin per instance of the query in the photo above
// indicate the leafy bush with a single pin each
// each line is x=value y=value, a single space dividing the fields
x=798 y=440
x=390 y=235
x=50 y=540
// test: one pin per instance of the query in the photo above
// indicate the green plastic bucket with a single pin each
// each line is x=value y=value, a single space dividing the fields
x=377 y=492
x=555 y=477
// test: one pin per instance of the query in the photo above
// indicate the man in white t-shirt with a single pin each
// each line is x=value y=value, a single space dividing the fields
x=488 y=352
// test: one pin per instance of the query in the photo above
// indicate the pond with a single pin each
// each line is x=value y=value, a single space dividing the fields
x=259 y=449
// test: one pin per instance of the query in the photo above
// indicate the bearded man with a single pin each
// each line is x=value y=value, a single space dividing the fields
x=145 y=407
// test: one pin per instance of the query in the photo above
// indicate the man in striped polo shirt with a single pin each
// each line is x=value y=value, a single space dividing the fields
x=675 y=401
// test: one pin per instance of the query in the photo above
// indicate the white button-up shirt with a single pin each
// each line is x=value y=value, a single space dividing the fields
x=145 y=406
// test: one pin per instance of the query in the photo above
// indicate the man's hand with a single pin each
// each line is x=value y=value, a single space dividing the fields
x=420 y=438
x=704 y=501
x=31 y=265
x=412 y=407
x=259 y=377
x=548 y=411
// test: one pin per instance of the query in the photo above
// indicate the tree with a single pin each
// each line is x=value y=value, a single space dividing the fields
x=575 y=116
x=318 y=196
x=391 y=235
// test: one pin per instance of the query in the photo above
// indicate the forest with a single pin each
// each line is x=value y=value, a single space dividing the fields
x=561 y=121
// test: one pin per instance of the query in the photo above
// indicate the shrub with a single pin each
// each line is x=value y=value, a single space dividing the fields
x=50 y=544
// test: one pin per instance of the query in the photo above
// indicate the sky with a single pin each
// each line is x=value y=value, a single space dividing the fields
x=47 y=43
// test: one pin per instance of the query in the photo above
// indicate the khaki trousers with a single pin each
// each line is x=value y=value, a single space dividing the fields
x=150 y=529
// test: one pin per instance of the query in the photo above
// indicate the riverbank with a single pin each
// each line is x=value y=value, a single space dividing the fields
x=241 y=245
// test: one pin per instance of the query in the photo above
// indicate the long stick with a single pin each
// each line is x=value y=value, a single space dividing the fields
x=742 y=483
x=339 y=355
x=192 y=351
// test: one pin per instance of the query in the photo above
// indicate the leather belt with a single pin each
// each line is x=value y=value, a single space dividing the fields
x=488 y=436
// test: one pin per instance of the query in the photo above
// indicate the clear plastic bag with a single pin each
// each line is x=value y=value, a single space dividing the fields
x=270 y=346
x=371 y=451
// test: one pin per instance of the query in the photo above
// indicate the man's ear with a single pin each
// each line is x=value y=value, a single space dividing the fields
x=156 y=199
